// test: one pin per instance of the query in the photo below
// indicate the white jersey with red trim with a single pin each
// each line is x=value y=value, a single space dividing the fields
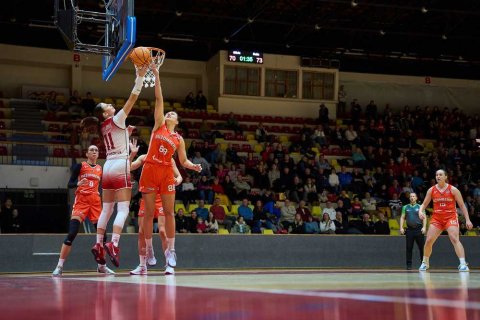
x=115 y=136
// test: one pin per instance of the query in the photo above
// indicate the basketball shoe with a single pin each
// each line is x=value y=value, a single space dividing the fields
x=463 y=267
x=171 y=258
x=423 y=267
x=169 y=270
x=98 y=253
x=139 y=271
x=114 y=253
x=151 y=260
x=57 y=272
x=104 y=269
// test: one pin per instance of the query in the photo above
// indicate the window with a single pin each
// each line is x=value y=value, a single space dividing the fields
x=242 y=81
x=318 y=85
x=281 y=84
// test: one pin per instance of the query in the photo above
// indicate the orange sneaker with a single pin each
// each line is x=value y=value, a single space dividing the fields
x=114 y=253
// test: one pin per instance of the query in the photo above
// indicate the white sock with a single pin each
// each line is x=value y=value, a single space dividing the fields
x=171 y=243
x=462 y=261
x=61 y=261
x=143 y=261
x=100 y=238
x=426 y=260
x=115 y=239
x=149 y=243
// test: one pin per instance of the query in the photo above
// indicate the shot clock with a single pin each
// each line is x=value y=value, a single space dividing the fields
x=253 y=57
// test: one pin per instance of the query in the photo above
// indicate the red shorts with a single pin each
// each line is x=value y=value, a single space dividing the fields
x=87 y=206
x=442 y=222
x=116 y=174
x=158 y=208
x=156 y=178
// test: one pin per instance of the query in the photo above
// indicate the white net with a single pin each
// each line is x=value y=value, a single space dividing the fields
x=158 y=56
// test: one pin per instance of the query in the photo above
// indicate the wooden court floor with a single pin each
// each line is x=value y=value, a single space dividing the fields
x=244 y=294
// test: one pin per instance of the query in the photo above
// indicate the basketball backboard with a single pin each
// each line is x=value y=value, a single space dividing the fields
x=116 y=28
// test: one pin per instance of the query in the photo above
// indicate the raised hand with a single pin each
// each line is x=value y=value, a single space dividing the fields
x=133 y=146
x=142 y=71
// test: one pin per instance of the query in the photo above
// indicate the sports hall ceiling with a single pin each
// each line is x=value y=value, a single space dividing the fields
x=364 y=35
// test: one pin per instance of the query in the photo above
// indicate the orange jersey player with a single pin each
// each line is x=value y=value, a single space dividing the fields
x=87 y=205
x=445 y=198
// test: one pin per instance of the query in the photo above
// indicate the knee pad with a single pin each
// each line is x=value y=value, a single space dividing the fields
x=72 y=232
x=123 y=208
x=107 y=211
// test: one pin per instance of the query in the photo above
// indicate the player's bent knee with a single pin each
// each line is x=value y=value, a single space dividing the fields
x=72 y=232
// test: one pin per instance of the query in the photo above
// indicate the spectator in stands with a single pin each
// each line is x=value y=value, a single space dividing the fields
x=245 y=212
x=220 y=215
x=345 y=178
x=211 y=223
x=303 y=210
x=192 y=221
x=351 y=136
x=359 y=159
x=357 y=208
x=205 y=192
x=242 y=187
x=319 y=136
x=297 y=190
x=395 y=205
x=231 y=154
x=337 y=137
x=201 y=211
x=369 y=203
x=201 y=225
x=311 y=226
x=273 y=175
x=229 y=188
x=332 y=213
x=205 y=130
x=260 y=218
x=217 y=188
x=201 y=101
x=8 y=217
x=232 y=124
x=356 y=112
x=288 y=212
x=342 y=101
x=310 y=191
x=297 y=226
x=198 y=159
x=333 y=181
x=322 y=163
x=75 y=105
x=381 y=226
x=371 y=110
x=327 y=226
x=189 y=102
x=261 y=133
x=88 y=104
x=240 y=226
x=366 y=226
x=181 y=222
x=187 y=191
x=323 y=115
x=341 y=225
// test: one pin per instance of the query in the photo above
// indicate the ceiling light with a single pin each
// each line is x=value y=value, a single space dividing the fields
x=178 y=13
x=226 y=40
x=424 y=10
x=382 y=33
x=318 y=27
x=287 y=45
x=444 y=37
x=354 y=3
x=250 y=20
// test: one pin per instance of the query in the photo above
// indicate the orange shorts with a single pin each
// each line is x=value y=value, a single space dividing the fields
x=442 y=222
x=158 y=208
x=156 y=178
x=87 y=206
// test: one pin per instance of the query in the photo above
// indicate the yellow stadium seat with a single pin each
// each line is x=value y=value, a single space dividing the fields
x=120 y=101
x=316 y=211
x=223 y=146
x=394 y=232
x=223 y=231
x=210 y=107
x=393 y=224
x=250 y=136
x=283 y=139
x=334 y=162
x=108 y=100
x=267 y=231
x=143 y=103
x=234 y=209
x=339 y=122
x=258 y=148
x=165 y=104
x=145 y=132
x=180 y=206
x=207 y=206
x=177 y=105
x=470 y=233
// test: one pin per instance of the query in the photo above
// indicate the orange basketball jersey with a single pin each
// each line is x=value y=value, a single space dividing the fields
x=443 y=201
x=163 y=145
x=93 y=175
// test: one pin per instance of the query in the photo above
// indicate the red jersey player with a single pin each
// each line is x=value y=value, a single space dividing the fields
x=87 y=205
x=445 y=197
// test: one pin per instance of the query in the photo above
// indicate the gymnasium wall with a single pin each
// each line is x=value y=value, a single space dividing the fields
x=34 y=177
x=39 y=253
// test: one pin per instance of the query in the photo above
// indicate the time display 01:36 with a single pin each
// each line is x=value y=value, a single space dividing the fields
x=245 y=56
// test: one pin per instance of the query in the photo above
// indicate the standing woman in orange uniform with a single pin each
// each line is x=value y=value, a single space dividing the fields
x=157 y=174
x=445 y=198
x=87 y=205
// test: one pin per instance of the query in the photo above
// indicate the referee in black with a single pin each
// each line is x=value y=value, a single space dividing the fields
x=416 y=228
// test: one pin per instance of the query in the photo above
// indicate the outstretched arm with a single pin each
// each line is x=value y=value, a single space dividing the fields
x=136 y=90
x=462 y=206
x=182 y=156
x=159 y=109
x=138 y=163
x=426 y=202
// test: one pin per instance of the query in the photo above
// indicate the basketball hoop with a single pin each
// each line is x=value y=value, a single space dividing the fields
x=158 y=56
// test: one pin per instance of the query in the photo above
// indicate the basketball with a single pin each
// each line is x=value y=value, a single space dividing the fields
x=140 y=56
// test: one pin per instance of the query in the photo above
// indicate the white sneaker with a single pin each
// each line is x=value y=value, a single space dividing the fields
x=102 y=268
x=139 y=271
x=463 y=267
x=57 y=272
x=423 y=267
x=169 y=271
x=171 y=258
x=151 y=260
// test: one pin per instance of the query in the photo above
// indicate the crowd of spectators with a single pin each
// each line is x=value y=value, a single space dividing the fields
x=357 y=193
